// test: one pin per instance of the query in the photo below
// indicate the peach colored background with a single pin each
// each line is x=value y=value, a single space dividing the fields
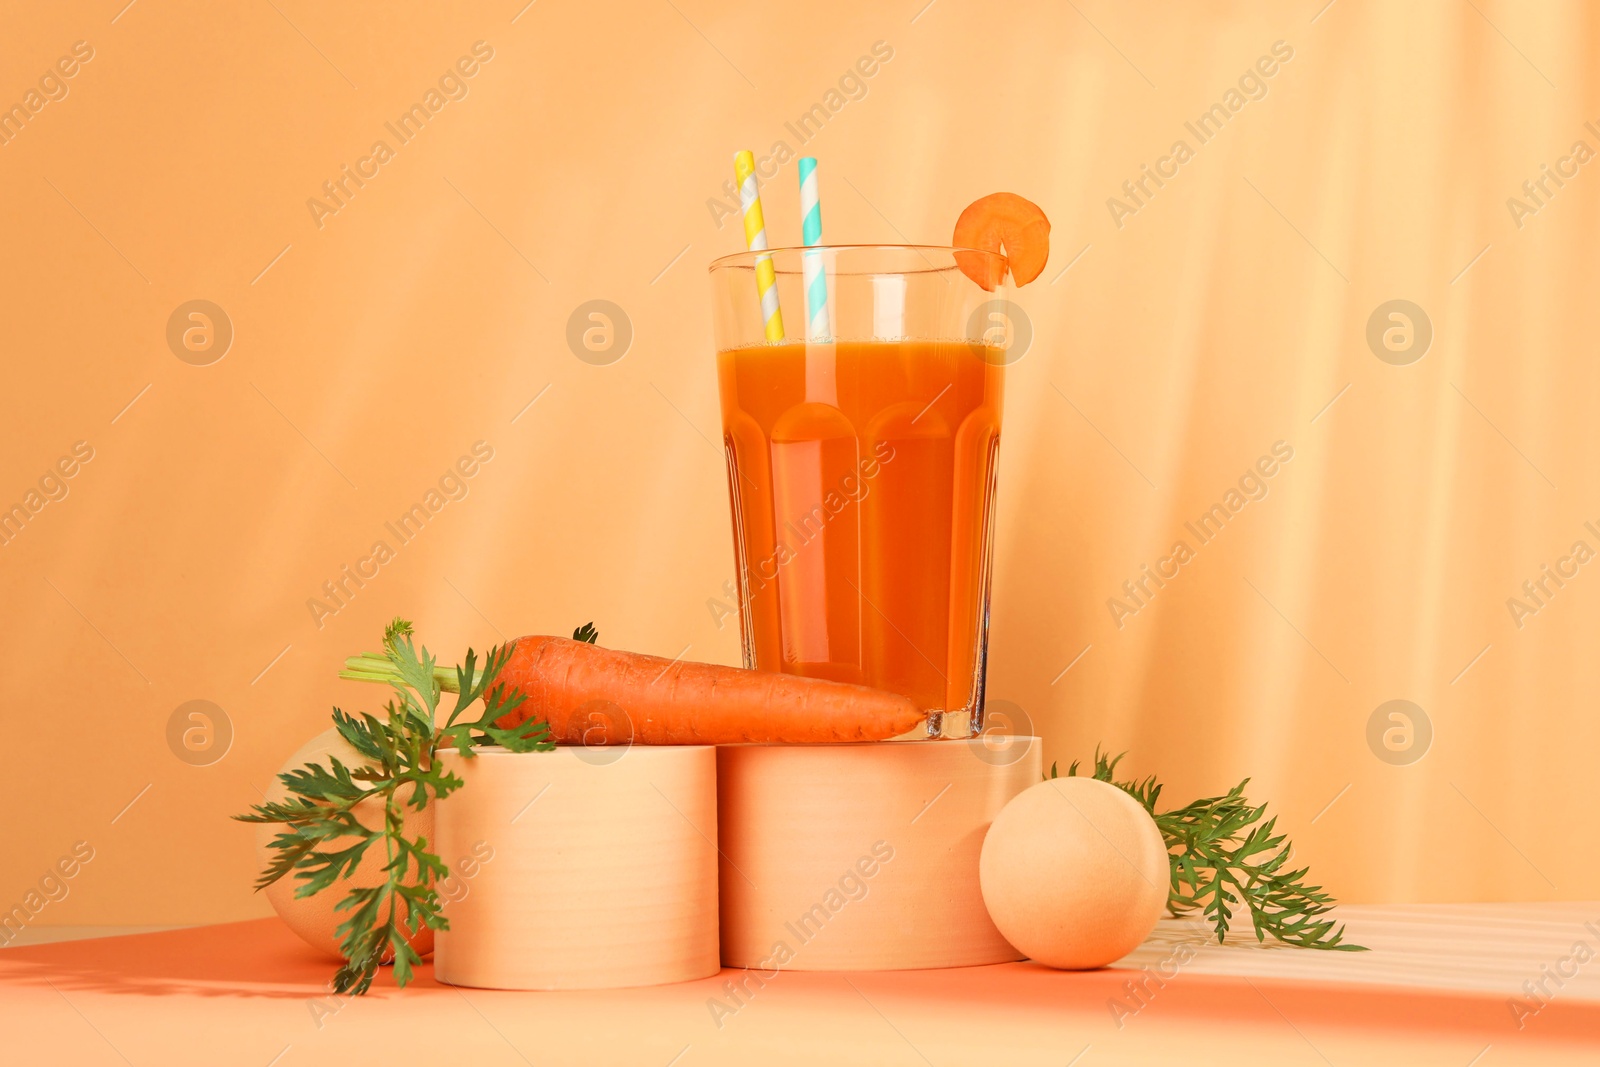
x=425 y=315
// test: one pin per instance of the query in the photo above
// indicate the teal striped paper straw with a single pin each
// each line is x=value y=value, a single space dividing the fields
x=818 y=327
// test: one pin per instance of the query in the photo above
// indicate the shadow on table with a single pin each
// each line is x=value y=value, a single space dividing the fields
x=260 y=958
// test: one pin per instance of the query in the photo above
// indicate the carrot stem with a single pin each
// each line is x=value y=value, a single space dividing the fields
x=375 y=667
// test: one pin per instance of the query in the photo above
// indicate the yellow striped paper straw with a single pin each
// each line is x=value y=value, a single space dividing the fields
x=755 y=235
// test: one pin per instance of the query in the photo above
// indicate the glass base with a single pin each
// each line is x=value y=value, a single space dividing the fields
x=958 y=725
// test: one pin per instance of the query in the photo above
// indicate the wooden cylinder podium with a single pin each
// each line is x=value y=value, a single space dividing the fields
x=582 y=868
x=851 y=857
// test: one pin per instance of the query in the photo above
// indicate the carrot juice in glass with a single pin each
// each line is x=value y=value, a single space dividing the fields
x=861 y=454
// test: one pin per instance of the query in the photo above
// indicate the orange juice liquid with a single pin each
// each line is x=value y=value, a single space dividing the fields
x=862 y=477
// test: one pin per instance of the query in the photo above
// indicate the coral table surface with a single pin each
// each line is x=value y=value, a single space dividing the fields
x=1484 y=984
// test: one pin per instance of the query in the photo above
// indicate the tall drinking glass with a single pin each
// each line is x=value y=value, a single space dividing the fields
x=862 y=444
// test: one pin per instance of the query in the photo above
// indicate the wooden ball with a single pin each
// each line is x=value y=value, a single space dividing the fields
x=314 y=917
x=1074 y=873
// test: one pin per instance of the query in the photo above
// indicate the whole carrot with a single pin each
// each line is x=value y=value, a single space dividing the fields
x=599 y=696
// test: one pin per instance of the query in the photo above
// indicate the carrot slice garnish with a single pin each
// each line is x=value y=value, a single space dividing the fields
x=1002 y=219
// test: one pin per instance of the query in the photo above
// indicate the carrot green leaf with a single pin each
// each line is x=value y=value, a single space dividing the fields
x=1223 y=858
x=325 y=842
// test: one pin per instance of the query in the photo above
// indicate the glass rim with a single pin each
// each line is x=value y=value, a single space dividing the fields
x=747 y=260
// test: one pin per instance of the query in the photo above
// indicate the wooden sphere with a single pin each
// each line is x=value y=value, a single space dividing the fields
x=1074 y=873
